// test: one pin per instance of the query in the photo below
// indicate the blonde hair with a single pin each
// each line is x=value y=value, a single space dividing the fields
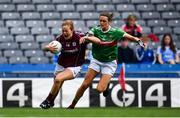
x=132 y=16
x=68 y=23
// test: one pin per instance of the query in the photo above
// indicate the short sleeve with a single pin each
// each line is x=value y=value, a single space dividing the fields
x=120 y=33
x=159 y=50
x=92 y=31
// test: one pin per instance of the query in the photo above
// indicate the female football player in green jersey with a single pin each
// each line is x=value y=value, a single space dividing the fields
x=104 y=55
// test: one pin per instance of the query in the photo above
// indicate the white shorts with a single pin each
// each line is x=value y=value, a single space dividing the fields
x=75 y=70
x=103 y=67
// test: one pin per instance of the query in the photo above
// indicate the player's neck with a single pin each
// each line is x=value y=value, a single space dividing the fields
x=106 y=29
x=67 y=38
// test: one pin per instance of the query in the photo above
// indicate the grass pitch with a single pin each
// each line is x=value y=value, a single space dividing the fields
x=90 y=112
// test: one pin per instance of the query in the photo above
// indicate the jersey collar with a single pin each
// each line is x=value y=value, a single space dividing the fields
x=106 y=30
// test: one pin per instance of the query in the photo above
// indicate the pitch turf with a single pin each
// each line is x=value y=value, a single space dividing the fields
x=90 y=112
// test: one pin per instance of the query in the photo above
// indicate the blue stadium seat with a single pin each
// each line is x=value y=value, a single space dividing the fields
x=3 y=60
x=7 y=7
x=61 y=1
x=24 y=38
x=120 y=1
x=39 y=30
x=175 y=1
x=4 y=30
x=25 y=7
x=116 y=15
x=176 y=30
x=10 y=15
x=174 y=23
x=21 y=1
x=141 y=22
x=15 y=23
x=151 y=15
x=159 y=1
x=146 y=30
x=65 y=8
x=145 y=7
x=19 y=30
x=132 y=45
x=18 y=60
x=125 y=7
x=32 y=53
x=82 y=29
x=41 y=1
x=44 y=38
x=42 y=45
x=85 y=7
x=162 y=30
x=45 y=7
x=53 y=23
x=39 y=60
x=35 y=23
x=153 y=23
x=81 y=1
x=105 y=7
x=29 y=45
x=50 y=15
x=178 y=7
x=13 y=53
x=140 y=1
x=91 y=23
x=5 y=1
x=79 y=23
x=71 y=15
x=101 y=1
x=56 y=31
x=165 y=7
x=48 y=54
x=1 y=23
x=30 y=15
x=90 y=15
x=6 y=38
x=170 y=15
x=118 y=23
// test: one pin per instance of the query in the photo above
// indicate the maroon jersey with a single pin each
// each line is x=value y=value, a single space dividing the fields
x=73 y=53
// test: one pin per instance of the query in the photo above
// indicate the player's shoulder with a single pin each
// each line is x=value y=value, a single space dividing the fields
x=96 y=27
x=116 y=29
x=58 y=37
x=78 y=34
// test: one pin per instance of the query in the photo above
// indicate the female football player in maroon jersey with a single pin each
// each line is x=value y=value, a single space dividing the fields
x=70 y=60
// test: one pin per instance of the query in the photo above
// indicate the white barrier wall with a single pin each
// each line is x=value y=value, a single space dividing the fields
x=30 y=92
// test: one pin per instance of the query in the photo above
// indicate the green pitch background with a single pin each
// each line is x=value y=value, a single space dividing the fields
x=90 y=112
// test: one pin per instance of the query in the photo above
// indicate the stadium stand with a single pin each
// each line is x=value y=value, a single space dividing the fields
x=36 y=22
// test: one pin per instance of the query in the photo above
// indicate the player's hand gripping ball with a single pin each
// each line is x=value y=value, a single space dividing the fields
x=55 y=47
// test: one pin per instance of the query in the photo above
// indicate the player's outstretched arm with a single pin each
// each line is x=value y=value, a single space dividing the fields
x=92 y=39
x=96 y=40
x=132 y=38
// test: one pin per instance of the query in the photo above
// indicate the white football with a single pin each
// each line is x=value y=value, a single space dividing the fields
x=57 y=45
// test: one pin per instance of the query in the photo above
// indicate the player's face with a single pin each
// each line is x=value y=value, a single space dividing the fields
x=131 y=21
x=167 y=40
x=124 y=44
x=67 y=32
x=104 y=23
